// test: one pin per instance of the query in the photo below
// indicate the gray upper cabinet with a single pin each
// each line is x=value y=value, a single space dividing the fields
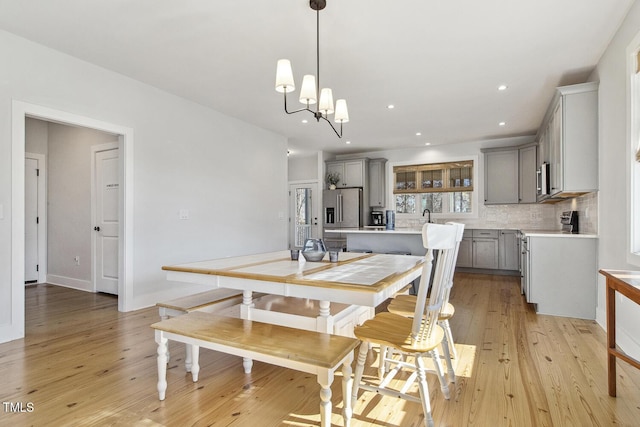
x=377 y=183
x=510 y=175
x=571 y=126
x=501 y=177
x=527 y=162
x=353 y=173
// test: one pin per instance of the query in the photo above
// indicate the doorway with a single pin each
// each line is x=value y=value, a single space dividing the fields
x=104 y=207
x=20 y=111
x=35 y=239
x=303 y=223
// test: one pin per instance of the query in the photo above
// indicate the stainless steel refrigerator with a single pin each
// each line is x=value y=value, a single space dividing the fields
x=341 y=209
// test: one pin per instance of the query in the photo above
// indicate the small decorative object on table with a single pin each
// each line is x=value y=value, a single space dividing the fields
x=333 y=178
x=294 y=254
x=314 y=250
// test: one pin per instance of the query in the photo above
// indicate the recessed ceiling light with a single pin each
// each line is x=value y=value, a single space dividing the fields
x=305 y=121
x=418 y=133
x=427 y=143
x=502 y=87
x=347 y=142
x=391 y=106
x=502 y=124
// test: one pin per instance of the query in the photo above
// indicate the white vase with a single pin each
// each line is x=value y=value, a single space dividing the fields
x=332 y=187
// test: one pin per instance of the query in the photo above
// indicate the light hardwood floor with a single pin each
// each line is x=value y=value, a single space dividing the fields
x=84 y=364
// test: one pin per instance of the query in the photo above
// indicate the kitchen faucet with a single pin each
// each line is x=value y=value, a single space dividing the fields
x=429 y=217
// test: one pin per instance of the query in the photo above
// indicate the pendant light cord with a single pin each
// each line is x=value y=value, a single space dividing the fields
x=318 y=59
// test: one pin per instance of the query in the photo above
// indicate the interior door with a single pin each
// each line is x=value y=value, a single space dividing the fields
x=304 y=215
x=31 y=220
x=106 y=221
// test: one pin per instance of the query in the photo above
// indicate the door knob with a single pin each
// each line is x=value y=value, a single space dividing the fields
x=96 y=228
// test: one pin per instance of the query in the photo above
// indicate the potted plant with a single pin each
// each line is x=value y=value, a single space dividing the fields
x=333 y=179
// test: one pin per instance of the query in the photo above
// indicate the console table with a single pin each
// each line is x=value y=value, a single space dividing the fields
x=628 y=284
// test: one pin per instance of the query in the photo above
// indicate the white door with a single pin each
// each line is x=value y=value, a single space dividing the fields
x=304 y=216
x=31 y=220
x=107 y=188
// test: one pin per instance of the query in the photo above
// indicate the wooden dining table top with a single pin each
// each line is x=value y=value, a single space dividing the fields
x=354 y=271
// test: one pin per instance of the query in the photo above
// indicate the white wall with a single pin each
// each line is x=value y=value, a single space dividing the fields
x=69 y=203
x=304 y=168
x=185 y=156
x=614 y=185
x=36 y=136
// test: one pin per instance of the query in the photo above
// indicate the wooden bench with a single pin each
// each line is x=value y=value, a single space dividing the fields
x=209 y=301
x=306 y=351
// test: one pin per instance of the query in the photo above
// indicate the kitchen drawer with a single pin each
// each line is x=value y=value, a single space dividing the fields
x=467 y=233
x=487 y=234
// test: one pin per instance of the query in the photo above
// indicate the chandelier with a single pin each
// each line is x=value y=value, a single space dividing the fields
x=311 y=85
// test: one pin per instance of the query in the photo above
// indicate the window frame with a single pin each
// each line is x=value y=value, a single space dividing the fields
x=447 y=195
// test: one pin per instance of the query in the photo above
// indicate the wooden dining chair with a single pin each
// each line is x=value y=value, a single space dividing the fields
x=404 y=305
x=417 y=337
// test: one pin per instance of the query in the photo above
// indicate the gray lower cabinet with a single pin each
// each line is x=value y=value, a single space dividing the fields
x=509 y=250
x=465 y=253
x=560 y=275
x=490 y=249
x=485 y=253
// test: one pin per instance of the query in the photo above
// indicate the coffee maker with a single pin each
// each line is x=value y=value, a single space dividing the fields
x=377 y=218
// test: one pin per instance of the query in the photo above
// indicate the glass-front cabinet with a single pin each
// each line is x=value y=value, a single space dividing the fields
x=440 y=177
x=435 y=187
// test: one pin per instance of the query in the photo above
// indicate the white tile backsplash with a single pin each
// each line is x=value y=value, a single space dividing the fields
x=527 y=216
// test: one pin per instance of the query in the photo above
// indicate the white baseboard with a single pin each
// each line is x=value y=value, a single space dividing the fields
x=69 y=282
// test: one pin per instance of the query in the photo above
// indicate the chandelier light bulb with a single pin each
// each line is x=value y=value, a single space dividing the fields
x=284 y=77
x=342 y=115
x=308 y=90
x=326 y=101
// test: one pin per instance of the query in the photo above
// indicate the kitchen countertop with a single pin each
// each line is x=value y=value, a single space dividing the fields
x=556 y=233
x=374 y=230
x=407 y=230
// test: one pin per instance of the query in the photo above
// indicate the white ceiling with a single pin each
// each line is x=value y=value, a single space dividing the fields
x=438 y=61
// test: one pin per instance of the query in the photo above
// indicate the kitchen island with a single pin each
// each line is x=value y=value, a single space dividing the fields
x=380 y=240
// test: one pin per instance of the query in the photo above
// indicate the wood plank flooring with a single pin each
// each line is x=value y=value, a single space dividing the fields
x=83 y=363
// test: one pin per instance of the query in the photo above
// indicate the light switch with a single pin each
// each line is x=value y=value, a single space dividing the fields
x=183 y=214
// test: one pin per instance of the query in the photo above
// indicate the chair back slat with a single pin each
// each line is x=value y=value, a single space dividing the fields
x=454 y=258
x=440 y=238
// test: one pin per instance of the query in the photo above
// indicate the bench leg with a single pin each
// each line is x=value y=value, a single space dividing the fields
x=162 y=364
x=188 y=358
x=325 y=379
x=164 y=316
x=347 y=386
x=195 y=360
x=247 y=364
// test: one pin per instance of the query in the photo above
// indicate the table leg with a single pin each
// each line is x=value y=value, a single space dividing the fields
x=245 y=313
x=324 y=321
x=611 y=337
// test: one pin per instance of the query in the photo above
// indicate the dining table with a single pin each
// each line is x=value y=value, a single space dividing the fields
x=337 y=295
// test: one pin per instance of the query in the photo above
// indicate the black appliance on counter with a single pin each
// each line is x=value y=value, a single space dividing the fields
x=377 y=218
x=569 y=220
